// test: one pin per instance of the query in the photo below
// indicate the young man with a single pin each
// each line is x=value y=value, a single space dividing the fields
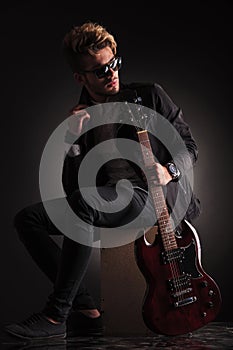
x=91 y=52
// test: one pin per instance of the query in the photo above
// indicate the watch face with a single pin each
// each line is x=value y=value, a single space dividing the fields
x=173 y=169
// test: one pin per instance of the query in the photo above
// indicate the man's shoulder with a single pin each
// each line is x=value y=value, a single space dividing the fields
x=150 y=92
x=142 y=86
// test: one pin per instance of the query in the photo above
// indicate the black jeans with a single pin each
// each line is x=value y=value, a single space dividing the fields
x=66 y=267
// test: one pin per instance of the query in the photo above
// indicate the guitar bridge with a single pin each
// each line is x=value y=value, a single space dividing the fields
x=185 y=301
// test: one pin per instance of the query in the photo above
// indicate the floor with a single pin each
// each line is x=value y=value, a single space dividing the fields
x=216 y=335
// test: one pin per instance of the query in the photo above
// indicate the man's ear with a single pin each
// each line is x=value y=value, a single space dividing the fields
x=78 y=78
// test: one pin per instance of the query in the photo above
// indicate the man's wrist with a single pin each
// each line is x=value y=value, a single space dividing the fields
x=70 y=137
x=173 y=171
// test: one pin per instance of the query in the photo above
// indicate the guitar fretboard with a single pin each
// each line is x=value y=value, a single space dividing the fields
x=163 y=217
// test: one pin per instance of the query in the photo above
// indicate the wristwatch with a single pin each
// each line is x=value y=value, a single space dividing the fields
x=173 y=171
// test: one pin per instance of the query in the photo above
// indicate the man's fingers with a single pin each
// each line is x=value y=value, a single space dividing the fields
x=77 y=108
x=76 y=120
x=83 y=119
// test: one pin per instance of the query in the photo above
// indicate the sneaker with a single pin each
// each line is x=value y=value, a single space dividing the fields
x=79 y=324
x=37 y=327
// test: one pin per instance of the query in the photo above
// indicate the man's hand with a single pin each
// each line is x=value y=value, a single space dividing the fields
x=163 y=176
x=158 y=174
x=78 y=116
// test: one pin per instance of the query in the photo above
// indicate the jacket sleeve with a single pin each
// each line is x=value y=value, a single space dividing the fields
x=70 y=173
x=185 y=157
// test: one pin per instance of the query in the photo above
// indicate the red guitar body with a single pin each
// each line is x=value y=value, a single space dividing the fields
x=180 y=296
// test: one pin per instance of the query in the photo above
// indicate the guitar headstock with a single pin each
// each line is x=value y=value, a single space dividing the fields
x=134 y=107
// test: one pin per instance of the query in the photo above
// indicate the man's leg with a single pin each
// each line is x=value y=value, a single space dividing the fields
x=75 y=256
x=35 y=229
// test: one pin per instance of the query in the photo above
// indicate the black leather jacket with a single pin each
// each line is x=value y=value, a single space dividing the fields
x=154 y=97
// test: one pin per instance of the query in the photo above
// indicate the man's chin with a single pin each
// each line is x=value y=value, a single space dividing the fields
x=113 y=91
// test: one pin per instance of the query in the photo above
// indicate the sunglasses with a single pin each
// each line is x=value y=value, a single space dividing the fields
x=103 y=71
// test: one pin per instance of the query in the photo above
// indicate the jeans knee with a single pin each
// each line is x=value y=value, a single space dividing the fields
x=81 y=207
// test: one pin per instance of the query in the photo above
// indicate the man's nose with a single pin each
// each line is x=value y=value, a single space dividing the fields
x=111 y=72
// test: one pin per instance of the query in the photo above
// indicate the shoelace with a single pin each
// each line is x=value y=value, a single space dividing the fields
x=33 y=319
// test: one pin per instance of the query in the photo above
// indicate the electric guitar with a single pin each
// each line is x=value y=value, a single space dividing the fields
x=180 y=296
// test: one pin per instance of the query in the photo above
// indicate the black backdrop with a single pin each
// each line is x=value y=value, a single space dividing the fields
x=184 y=48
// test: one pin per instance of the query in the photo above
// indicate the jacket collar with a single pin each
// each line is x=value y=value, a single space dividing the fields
x=86 y=99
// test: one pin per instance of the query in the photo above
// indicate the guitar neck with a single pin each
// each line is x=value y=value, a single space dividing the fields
x=159 y=202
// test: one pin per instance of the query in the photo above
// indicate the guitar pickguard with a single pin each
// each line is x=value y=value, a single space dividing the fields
x=188 y=264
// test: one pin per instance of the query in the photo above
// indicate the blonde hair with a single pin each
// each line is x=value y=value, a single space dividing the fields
x=88 y=38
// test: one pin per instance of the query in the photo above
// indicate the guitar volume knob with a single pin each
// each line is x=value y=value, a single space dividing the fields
x=210 y=304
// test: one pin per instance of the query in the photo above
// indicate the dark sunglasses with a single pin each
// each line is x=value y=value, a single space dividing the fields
x=103 y=71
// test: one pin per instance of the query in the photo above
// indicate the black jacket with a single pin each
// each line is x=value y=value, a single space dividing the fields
x=153 y=98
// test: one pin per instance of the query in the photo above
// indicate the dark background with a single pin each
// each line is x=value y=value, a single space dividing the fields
x=184 y=48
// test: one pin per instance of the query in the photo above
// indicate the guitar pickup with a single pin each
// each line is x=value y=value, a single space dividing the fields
x=174 y=254
x=179 y=283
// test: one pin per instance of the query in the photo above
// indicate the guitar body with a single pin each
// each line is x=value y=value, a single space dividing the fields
x=180 y=296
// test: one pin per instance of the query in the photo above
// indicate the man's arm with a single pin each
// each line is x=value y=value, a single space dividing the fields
x=75 y=154
x=183 y=159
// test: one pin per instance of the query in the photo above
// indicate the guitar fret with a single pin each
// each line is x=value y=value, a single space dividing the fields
x=168 y=242
x=165 y=225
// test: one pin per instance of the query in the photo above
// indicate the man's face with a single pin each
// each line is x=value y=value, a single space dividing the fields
x=100 y=85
